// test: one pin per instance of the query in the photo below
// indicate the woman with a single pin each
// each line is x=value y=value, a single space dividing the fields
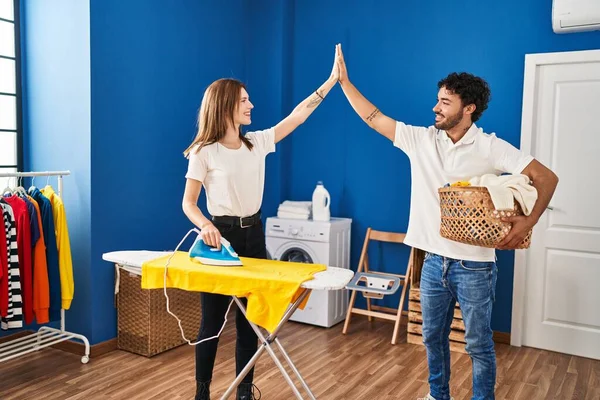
x=231 y=168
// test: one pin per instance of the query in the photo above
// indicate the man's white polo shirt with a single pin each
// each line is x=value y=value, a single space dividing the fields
x=435 y=161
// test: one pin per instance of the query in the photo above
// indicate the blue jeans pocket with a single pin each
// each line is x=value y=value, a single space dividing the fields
x=486 y=271
x=477 y=265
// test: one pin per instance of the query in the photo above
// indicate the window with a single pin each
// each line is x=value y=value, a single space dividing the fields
x=10 y=90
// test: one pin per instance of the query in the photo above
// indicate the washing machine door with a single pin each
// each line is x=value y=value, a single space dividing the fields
x=296 y=255
x=296 y=252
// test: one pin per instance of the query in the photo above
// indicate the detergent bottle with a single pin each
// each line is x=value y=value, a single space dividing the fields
x=320 y=203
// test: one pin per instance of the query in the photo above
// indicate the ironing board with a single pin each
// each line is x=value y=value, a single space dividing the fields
x=332 y=278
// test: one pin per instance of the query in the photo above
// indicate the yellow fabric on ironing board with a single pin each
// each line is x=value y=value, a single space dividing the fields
x=269 y=285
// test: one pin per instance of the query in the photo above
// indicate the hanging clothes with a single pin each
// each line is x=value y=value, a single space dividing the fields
x=33 y=226
x=49 y=233
x=41 y=285
x=7 y=225
x=22 y=222
x=36 y=236
x=4 y=277
x=15 y=300
x=65 y=263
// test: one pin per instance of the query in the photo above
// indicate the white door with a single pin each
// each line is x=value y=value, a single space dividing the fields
x=556 y=304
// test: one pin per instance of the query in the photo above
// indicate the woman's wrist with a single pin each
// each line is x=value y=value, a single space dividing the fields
x=205 y=224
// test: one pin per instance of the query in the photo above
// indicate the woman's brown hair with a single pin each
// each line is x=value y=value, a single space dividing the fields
x=219 y=103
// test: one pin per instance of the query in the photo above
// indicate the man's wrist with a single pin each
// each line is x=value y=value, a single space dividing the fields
x=532 y=219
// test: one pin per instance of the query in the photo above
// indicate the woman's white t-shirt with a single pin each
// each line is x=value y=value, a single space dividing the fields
x=234 y=179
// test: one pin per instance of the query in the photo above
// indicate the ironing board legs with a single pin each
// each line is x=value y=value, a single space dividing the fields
x=293 y=367
x=266 y=345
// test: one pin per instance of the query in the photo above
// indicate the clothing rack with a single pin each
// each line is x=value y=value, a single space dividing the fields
x=45 y=336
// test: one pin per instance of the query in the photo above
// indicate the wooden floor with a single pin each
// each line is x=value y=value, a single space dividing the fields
x=360 y=365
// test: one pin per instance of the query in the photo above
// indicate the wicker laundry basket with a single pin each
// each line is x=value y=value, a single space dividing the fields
x=468 y=216
x=144 y=326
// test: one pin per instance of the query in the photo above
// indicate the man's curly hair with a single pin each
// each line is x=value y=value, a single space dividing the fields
x=471 y=90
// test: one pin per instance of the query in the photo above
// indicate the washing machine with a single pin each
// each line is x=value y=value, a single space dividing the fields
x=317 y=242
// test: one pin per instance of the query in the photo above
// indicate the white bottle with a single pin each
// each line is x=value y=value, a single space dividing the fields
x=320 y=203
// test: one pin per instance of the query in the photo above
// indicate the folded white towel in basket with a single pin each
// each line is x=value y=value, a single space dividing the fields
x=505 y=189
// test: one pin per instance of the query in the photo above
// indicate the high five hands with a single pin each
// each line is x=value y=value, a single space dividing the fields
x=341 y=64
x=338 y=71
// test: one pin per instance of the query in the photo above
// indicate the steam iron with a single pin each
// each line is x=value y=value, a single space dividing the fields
x=205 y=254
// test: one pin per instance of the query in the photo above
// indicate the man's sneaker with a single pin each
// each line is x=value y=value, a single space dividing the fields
x=430 y=397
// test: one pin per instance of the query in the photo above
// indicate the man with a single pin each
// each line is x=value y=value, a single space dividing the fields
x=455 y=149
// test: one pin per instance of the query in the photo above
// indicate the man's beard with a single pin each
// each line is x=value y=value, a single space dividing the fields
x=449 y=123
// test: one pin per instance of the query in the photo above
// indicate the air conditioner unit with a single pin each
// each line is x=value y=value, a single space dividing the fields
x=575 y=15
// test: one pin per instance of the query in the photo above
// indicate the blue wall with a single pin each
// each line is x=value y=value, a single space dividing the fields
x=395 y=53
x=151 y=62
x=56 y=91
x=268 y=27
x=116 y=86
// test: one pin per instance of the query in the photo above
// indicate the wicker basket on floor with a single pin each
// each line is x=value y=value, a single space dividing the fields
x=468 y=216
x=144 y=326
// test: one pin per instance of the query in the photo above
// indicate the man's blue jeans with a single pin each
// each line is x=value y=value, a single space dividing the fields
x=443 y=282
